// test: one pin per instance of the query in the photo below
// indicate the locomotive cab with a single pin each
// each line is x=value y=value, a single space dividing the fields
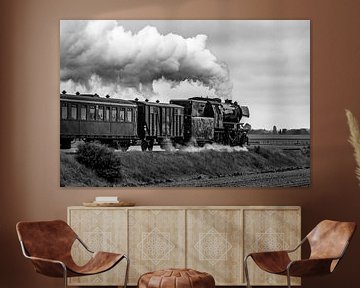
x=208 y=120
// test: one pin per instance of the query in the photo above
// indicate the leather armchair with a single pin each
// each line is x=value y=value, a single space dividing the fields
x=48 y=245
x=328 y=242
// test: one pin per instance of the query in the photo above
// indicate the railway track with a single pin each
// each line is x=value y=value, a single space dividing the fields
x=290 y=178
x=285 y=142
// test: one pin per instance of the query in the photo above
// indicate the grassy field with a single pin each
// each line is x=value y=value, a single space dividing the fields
x=151 y=168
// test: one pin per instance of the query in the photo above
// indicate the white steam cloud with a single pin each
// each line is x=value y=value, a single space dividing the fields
x=103 y=57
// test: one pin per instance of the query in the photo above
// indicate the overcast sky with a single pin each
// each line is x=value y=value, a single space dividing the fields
x=262 y=64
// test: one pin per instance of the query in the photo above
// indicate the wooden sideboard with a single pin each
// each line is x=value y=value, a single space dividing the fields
x=212 y=239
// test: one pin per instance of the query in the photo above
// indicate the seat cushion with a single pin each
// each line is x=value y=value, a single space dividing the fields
x=272 y=262
x=176 y=278
x=98 y=263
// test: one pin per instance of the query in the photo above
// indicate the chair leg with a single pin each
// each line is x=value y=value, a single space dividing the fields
x=126 y=271
x=288 y=278
x=246 y=270
x=65 y=276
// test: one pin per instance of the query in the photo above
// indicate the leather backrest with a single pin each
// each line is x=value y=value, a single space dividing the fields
x=46 y=239
x=329 y=238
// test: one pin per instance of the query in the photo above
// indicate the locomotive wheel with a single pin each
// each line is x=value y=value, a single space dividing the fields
x=144 y=145
x=151 y=145
x=166 y=144
x=65 y=143
x=112 y=144
x=124 y=146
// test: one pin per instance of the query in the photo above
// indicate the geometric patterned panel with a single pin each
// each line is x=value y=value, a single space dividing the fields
x=101 y=230
x=156 y=240
x=271 y=230
x=214 y=244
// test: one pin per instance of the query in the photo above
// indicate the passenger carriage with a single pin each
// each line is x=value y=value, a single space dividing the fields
x=90 y=117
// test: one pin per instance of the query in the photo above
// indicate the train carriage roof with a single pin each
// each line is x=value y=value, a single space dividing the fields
x=158 y=104
x=206 y=99
x=213 y=101
x=95 y=99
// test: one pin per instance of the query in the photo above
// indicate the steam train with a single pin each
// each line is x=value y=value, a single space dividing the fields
x=120 y=123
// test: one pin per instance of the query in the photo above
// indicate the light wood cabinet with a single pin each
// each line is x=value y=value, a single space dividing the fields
x=211 y=239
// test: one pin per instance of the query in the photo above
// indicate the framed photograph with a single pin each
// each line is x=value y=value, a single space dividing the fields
x=209 y=103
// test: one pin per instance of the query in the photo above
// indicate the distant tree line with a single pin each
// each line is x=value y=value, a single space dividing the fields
x=283 y=131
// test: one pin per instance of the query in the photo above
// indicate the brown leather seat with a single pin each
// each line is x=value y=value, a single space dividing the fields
x=48 y=245
x=328 y=242
x=176 y=278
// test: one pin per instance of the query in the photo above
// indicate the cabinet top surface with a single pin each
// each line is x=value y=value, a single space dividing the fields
x=192 y=207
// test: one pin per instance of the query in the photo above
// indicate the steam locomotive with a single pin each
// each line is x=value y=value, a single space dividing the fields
x=120 y=123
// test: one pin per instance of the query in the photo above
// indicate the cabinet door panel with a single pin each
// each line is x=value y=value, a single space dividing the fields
x=156 y=240
x=270 y=230
x=100 y=230
x=214 y=244
x=209 y=239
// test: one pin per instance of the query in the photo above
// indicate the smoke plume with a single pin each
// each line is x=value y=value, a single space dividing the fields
x=103 y=57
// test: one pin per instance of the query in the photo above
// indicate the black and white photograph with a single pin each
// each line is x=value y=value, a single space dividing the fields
x=185 y=103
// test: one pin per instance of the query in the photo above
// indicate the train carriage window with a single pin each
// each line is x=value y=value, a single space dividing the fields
x=176 y=121
x=151 y=120
x=83 y=112
x=122 y=115
x=163 y=124
x=113 y=114
x=73 y=112
x=64 y=111
x=129 y=116
x=92 y=113
x=172 y=122
x=107 y=114
x=168 y=124
x=100 y=113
